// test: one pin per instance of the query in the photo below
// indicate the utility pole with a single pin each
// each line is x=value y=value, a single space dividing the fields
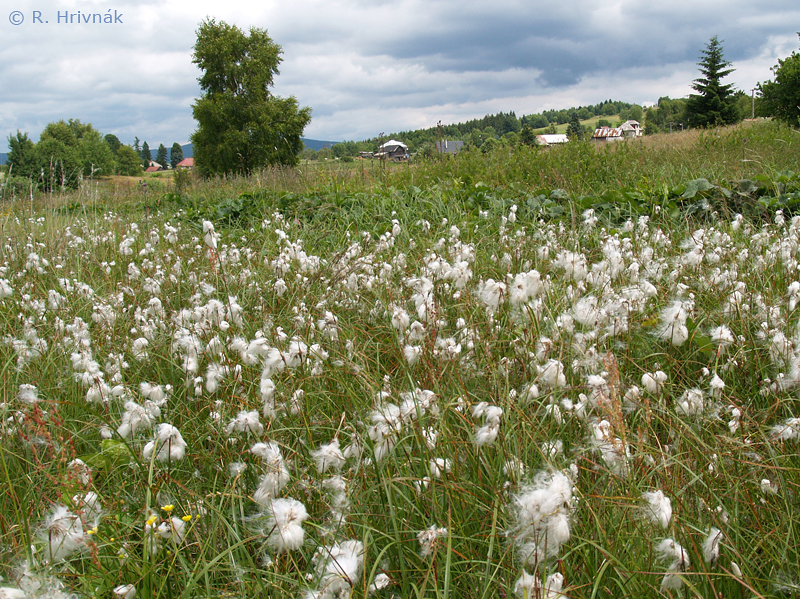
x=441 y=143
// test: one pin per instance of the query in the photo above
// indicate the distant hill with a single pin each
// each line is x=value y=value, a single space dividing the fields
x=315 y=144
x=3 y=157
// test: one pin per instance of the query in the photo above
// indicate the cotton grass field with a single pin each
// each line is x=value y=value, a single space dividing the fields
x=429 y=388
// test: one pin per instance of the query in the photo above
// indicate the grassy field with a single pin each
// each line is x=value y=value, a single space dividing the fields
x=537 y=374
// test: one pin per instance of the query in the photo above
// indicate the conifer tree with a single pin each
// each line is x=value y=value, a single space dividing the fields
x=714 y=104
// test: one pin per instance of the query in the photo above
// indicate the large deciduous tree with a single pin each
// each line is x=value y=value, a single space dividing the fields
x=781 y=98
x=714 y=104
x=241 y=125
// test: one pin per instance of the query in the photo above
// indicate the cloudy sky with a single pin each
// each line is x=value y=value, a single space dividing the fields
x=372 y=66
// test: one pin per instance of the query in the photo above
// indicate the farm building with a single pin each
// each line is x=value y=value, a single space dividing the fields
x=185 y=163
x=393 y=150
x=449 y=147
x=608 y=135
x=631 y=129
x=551 y=139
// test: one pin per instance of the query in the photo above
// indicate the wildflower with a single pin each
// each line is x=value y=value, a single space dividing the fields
x=677 y=557
x=540 y=514
x=381 y=581
x=551 y=374
x=339 y=567
x=168 y=445
x=328 y=456
x=285 y=522
x=711 y=545
x=654 y=382
x=673 y=322
x=90 y=507
x=487 y=434
x=427 y=539
x=439 y=466
x=245 y=422
x=28 y=394
x=788 y=431
x=659 y=508
x=277 y=474
x=173 y=529
x=691 y=403
x=125 y=591
x=209 y=235
x=63 y=533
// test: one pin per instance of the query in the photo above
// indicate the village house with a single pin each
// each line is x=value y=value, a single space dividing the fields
x=608 y=135
x=392 y=150
x=186 y=163
x=627 y=130
x=551 y=139
x=449 y=147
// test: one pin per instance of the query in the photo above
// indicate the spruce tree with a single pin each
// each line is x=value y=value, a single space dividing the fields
x=161 y=155
x=146 y=156
x=175 y=154
x=714 y=104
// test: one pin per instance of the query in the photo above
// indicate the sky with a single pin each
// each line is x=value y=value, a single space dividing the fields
x=367 y=67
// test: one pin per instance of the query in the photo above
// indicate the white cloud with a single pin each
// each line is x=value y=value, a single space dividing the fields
x=366 y=66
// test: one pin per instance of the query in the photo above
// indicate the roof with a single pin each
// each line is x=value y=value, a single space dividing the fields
x=630 y=126
x=606 y=132
x=154 y=169
x=552 y=138
x=449 y=147
x=186 y=162
x=393 y=143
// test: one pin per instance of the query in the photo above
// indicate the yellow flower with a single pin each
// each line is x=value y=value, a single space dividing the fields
x=168 y=508
x=92 y=531
x=187 y=517
x=151 y=520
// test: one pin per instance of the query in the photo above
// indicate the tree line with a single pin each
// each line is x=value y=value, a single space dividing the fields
x=68 y=151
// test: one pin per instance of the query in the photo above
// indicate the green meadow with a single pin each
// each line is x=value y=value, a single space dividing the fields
x=565 y=372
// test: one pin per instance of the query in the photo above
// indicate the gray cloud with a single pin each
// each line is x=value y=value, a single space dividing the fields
x=379 y=65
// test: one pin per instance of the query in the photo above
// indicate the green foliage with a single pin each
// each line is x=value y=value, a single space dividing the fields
x=146 y=156
x=781 y=98
x=242 y=127
x=575 y=131
x=161 y=155
x=129 y=162
x=715 y=103
x=22 y=156
x=527 y=137
x=181 y=180
x=175 y=154
x=58 y=163
x=669 y=115
x=113 y=142
x=95 y=154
